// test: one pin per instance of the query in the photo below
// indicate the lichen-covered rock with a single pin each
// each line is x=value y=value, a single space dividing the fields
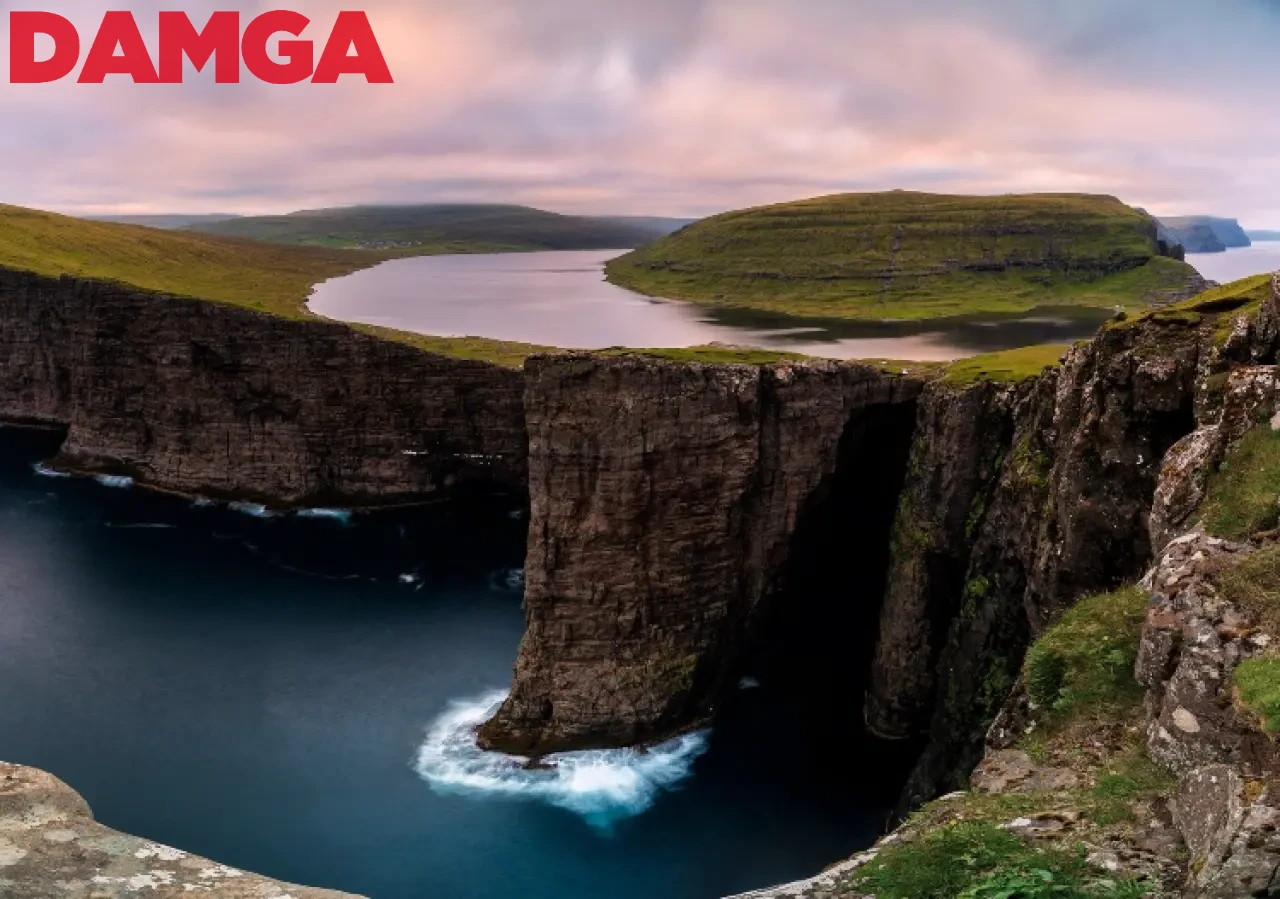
x=1191 y=644
x=1013 y=771
x=1183 y=479
x=51 y=848
x=1234 y=839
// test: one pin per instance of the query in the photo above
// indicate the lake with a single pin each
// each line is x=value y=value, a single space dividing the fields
x=561 y=299
x=294 y=696
x=1239 y=263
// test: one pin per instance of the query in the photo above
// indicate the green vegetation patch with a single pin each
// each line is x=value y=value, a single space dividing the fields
x=1225 y=303
x=1258 y=688
x=257 y=276
x=906 y=255
x=1242 y=493
x=1008 y=366
x=266 y=278
x=436 y=229
x=979 y=861
x=1083 y=665
x=1253 y=585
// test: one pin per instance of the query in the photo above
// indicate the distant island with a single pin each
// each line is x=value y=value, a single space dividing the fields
x=908 y=255
x=1203 y=233
x=444 y=228
x=1263 y=236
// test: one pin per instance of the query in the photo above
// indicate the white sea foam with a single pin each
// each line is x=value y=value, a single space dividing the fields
x=342 y=515
x=120 y=482
x=507 y=579
x=603 y=786
x=45 y=471
x=257 y=510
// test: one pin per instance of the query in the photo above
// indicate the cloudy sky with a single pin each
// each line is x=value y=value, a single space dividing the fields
x=684 y=107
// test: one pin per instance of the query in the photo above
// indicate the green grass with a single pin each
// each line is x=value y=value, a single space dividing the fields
x=904 y=255
x=257 y=276
x=1242 y=494
x=1253 y=585
x=269 y=278
x=1257 y=684
x=711 y=354
x=436 y=229
x=1084 y=663
x=979 y=861
x=1006 y=367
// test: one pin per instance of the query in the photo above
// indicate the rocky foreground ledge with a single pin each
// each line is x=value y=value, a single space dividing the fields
x=51 y=848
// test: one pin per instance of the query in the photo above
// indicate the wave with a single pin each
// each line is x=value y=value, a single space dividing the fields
x=604 y=786
x=120 y=482
x=45 y=471
x=257 y=510
x=340 y=515
x=507 y=579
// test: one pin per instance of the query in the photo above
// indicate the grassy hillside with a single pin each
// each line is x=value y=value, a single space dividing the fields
x=908 y=255
x=424 y=230
x=260 y=276
x=176 y=220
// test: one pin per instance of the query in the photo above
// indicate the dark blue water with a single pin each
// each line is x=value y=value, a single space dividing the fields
x=257 y=692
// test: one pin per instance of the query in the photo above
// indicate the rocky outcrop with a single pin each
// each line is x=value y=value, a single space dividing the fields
x=200 y=397
x=51 y=848
x=664 y=499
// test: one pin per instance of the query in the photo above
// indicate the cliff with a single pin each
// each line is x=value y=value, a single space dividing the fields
x=51 y=848
x=1134 y=753
x=665 y=498
x=207 y=398
x=1204 y=233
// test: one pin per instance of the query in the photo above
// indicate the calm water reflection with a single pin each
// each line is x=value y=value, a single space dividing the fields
x=561 y=299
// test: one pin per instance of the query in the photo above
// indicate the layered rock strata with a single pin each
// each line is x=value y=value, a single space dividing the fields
x=200 y=397
x=664 y=499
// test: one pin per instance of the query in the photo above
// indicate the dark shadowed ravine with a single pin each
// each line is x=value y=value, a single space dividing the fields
x=561 y=299
x=286 y=695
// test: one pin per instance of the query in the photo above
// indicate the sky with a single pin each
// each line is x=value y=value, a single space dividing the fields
x=682 y=107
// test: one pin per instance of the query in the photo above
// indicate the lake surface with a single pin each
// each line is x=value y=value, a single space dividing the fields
x=1239 y=263
x=561 y=299
x=286 y=695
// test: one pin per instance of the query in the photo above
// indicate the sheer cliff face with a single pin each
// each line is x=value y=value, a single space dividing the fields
x=664 y=496
x=1054 y=492
x=204 y=398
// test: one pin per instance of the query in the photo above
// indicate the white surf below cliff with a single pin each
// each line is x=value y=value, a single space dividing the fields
x=603 y=786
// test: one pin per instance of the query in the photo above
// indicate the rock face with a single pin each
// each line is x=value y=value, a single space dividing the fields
x=664 y=499
x=1005 y=521
x=51 y=848
x=199 y=397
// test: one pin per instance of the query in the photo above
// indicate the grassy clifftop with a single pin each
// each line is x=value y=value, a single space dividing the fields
x=259 y=276
x=432 y=229
x=911 y=255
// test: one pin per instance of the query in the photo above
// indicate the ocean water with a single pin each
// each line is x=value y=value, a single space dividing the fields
x=561 y=299
x=294 y=695
x=1238 y=263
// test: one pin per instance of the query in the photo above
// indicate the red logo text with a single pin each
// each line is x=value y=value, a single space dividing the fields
x=118 y=49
